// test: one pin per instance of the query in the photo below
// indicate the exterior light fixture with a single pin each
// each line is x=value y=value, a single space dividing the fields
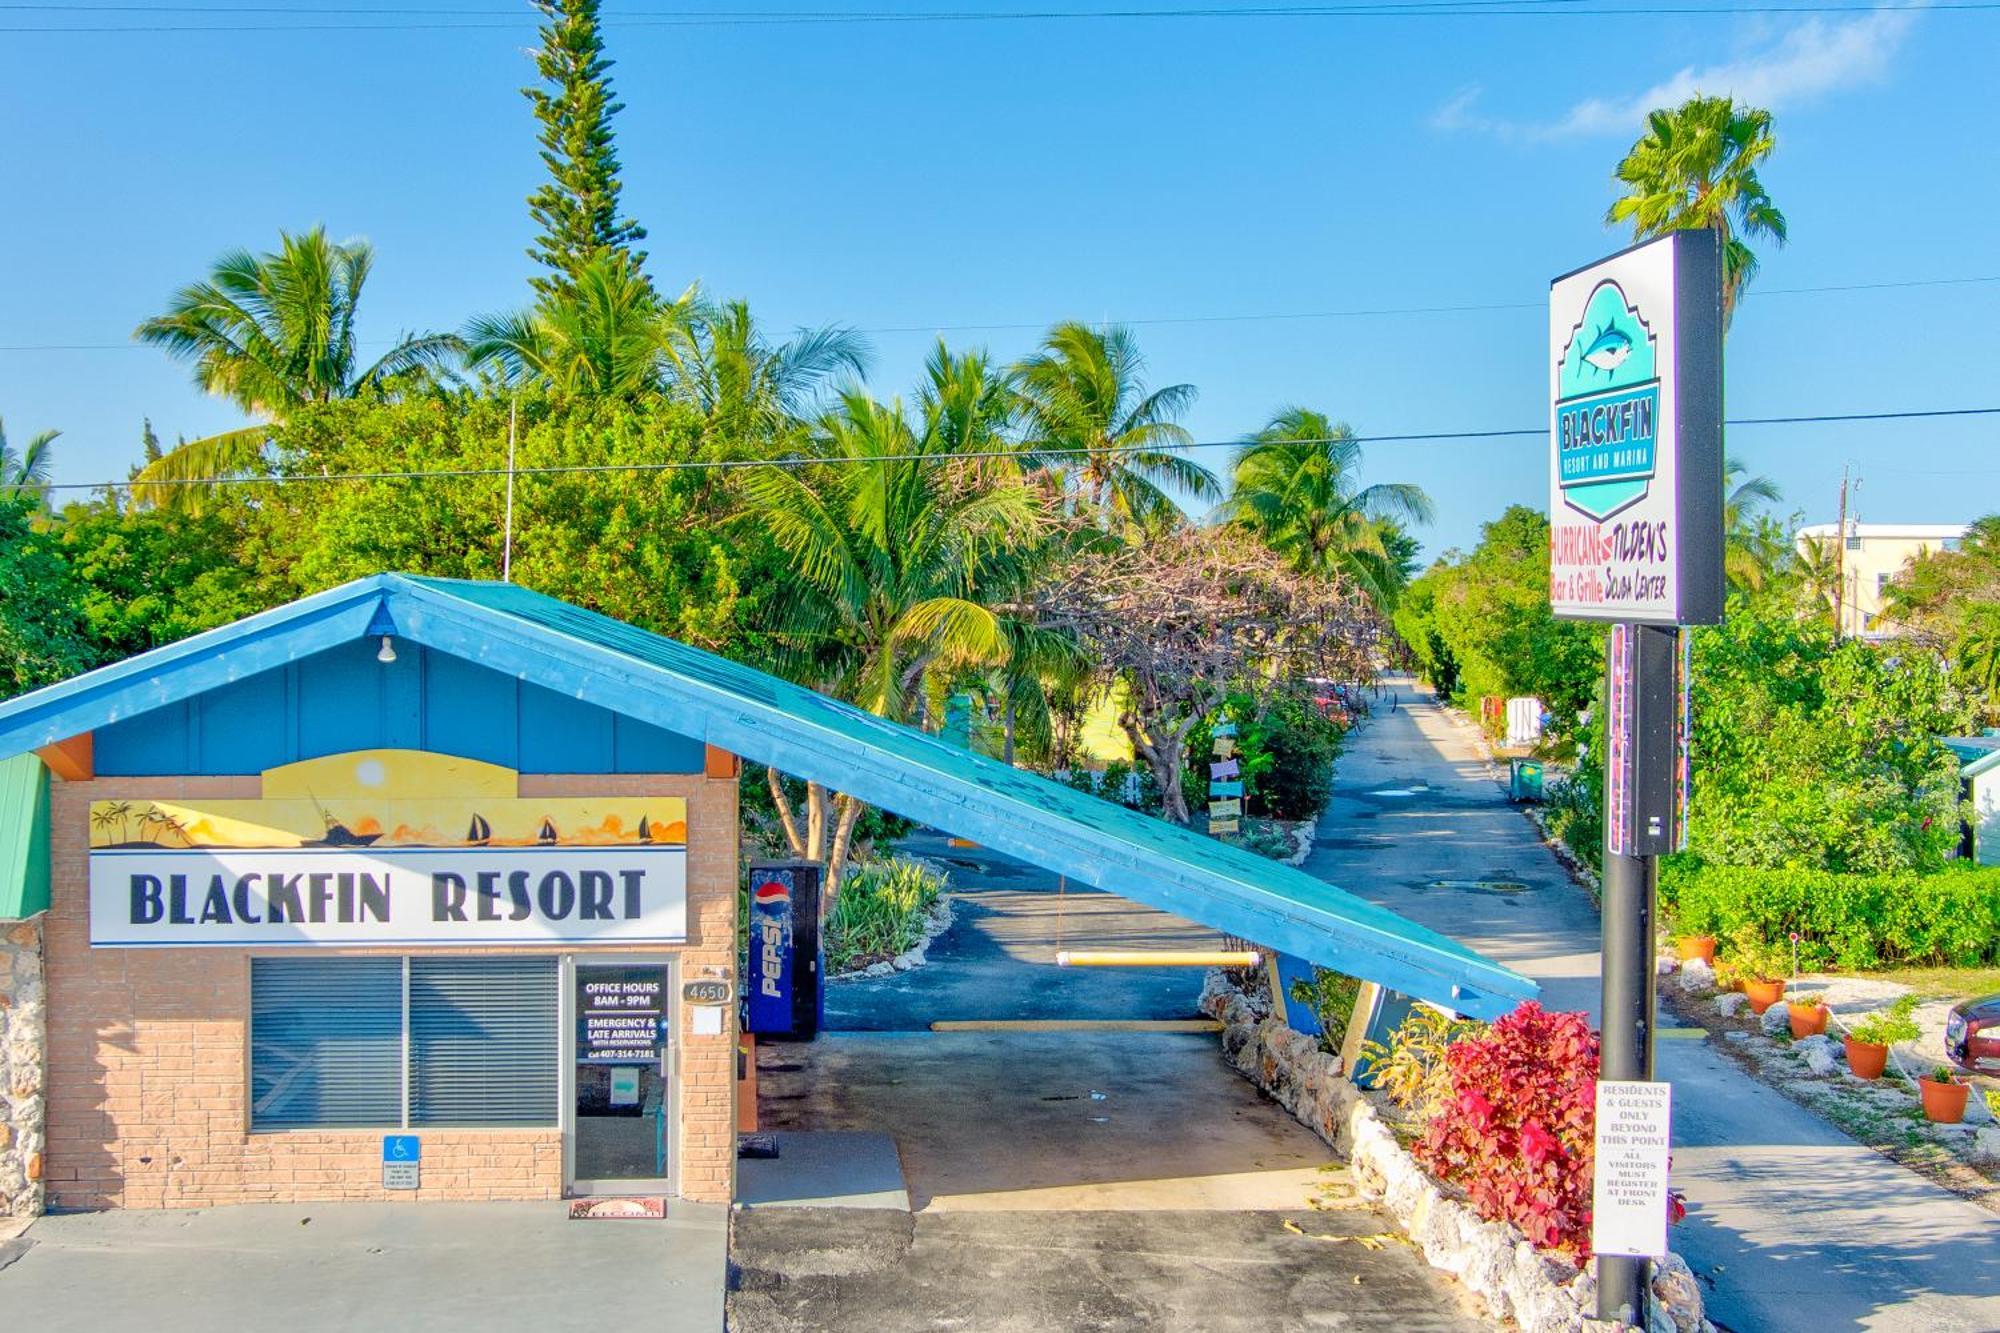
x=388 y=651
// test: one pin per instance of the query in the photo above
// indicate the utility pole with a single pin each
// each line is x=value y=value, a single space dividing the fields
x=507 y=524
x=1840 y=563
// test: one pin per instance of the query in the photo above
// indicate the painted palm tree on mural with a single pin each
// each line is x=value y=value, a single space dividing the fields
x=1294 y=484
x=1696 y=167
x=30 y=468
x=273 y=333
x=1090 y=417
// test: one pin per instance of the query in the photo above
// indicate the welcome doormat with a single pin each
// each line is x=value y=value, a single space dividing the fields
x=637 y=1206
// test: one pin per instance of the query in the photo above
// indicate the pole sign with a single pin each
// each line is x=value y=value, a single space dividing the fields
x=1629 y=1192
x=1635 y=436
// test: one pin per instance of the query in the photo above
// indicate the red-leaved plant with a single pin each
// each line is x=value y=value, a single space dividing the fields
x=1516 y=1131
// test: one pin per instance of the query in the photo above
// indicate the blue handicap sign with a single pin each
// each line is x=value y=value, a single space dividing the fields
x=402 y=1148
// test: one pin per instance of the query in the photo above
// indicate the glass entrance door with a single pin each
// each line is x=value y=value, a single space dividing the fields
x=622 y=1111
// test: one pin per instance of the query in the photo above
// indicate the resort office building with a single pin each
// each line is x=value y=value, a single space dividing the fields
x=424 y=889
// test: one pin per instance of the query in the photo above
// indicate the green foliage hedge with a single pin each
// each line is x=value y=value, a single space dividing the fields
x=1947 y=918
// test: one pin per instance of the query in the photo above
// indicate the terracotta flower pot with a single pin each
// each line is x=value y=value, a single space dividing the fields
x=1807 y=1019
x=1696 y=946
x=1763 y=994
x=1944 y=1103
x=1866 y=1059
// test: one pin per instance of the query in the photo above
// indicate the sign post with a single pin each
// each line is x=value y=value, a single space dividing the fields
x=1635 y=538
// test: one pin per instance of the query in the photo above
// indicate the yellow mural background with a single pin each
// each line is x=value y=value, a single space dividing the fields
x=392 y=798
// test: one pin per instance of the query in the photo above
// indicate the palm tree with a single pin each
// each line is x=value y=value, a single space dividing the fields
x=1749 y=555
x=1818 y=564
x=28 y=470
x=1696 y=167
x=1293 y=483
x=748 y=389
x=273 y=333
x=607 y=334
x=1090 y=416
x=896 y=568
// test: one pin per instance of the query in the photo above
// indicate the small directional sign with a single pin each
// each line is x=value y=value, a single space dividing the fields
x=1225 y=809
x=1225 y=788
x=1223 y=825
x=1227 y=768
x=1224 y=729
x=402 y=1155
x=1224 y=747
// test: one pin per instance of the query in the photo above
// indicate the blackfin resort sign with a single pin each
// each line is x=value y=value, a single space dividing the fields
x=1635 y=346
x=388 y=847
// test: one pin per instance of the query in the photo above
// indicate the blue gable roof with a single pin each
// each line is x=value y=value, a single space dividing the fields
x=669 y=685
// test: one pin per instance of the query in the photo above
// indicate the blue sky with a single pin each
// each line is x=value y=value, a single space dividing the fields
x=918 y=176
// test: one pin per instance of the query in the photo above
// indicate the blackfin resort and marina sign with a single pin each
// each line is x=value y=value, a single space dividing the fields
x=388 y=847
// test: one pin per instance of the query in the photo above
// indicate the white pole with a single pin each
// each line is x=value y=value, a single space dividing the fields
x=507 y=541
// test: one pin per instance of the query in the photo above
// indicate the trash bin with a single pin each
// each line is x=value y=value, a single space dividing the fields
x=1524 y=781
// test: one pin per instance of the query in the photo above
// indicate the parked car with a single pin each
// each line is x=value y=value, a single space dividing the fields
x=1972 y=1035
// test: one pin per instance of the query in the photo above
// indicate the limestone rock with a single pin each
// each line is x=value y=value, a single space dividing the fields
x=1730 y=1003
x=1817 y=1052
x=1985 y=1150
x=1696 y=977
x=1775 y=1020
x=1977 y=1111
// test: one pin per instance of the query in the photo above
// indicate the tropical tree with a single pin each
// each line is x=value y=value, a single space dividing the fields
x=1294 y=484
x=898 y=571
x=1091 y=419
x=273 y=333
x=1696 y=167
x=577 y=207
x=605 y=334
x=1750 y=554
x=29 y=469
x=748 y=389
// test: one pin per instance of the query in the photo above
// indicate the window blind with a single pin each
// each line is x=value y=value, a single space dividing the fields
x=326 y=1042
x=484 y=1040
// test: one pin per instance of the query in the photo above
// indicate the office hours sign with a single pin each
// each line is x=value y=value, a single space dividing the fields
x=1635 y=435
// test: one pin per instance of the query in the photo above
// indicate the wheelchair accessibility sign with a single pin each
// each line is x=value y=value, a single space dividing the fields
x=401 y=1157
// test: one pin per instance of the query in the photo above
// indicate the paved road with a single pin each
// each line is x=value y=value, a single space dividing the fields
x=998 y=959
x=1792 y=1224
x=1056 y=1180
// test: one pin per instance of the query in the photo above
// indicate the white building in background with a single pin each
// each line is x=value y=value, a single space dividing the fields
x=1871 y=555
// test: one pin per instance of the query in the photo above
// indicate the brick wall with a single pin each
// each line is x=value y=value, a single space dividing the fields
x=148 y=1072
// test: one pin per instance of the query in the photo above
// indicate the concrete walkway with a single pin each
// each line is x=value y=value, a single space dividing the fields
x=1792 y=1225
x=367 y=1267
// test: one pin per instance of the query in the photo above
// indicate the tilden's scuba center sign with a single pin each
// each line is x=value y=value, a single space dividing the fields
x=388 y=847
x=1635 y=347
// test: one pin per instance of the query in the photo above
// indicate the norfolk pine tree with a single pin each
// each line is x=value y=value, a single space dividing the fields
x=577 y=207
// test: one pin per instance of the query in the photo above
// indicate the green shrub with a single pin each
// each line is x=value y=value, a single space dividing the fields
x=880 y=913
x=1285 y=748
x=1331 y=997
x=1949 y=919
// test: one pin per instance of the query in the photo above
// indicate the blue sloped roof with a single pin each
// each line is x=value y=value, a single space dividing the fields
x=772 y=721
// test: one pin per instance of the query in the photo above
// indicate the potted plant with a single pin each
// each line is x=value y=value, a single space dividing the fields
x=1945 y=1095
x=1869 y=1040
x=1761 y=966
x=1808 y=1017
x=1692 y=947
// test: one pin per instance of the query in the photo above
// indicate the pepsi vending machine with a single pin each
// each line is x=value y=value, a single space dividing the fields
x=783 y=995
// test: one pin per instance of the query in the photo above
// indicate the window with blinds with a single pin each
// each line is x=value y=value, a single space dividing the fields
x=326 y=1042
x=483 y=1041
x=403 y=1042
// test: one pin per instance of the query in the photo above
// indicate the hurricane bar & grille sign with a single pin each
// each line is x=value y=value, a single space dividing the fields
x=1635 y=436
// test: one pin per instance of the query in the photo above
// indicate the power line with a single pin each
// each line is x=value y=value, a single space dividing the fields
x=808 y=460
x=1159 y=320
x=474 y=22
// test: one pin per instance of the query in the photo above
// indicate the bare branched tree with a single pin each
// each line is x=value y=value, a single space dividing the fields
x=1189 y=616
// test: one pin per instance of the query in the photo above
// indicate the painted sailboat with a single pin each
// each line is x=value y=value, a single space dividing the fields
x=480 y=832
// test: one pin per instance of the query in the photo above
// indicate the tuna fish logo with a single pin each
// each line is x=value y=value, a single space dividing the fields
x=1608 y=350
